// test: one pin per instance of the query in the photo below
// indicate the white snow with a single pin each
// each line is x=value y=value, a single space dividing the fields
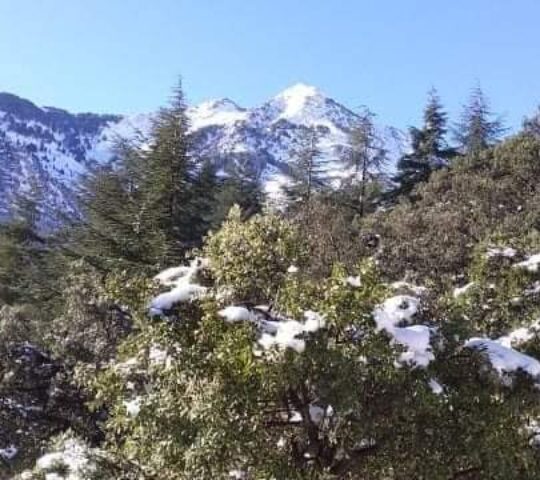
x=223 y=112
x=233 y=314
x=9 y=453
x=238 y=475
x=158 y=356
x=284 y=337
x=73 y=455
x=507 y=252
x=520 y=335
x=534 y=289
x=531 y=264
x=462 y=290
x=395 y=311
x=171 y=275
x=435 y=386
x=505 y=359
x=314 y=321
x=294 y=99
x=184 y=290
x=402 y=285
x=133 y=406
x=282 y=332
x=399 y=310
x=179 y=294
x=354 y=281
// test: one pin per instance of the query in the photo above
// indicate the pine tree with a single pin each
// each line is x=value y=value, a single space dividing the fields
x=153 y=204
x=170 y=170
x=478 y=128
x=429 y=149
x=306 y=170
x=365 y=156
x=23 y=250
x=237 y=189
x=203 y=191
x=113 y=231
x=531 y=125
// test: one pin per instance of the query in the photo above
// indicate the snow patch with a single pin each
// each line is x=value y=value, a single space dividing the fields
x=399 y=310
x=184 y=290
x=9 y=453
x=507 y=252
x=505 y=359
x=462 y=290
x=531 y=264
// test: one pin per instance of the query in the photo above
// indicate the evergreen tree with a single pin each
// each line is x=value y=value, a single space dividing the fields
x=237 y=189
x=153 y=204
x=203 y=191
x=429 y=149
x=24 y=250
x=365 y=156
x=478 y=128
x=113 y=231
x=170 y=171
x=531 y=125
x=306 y=170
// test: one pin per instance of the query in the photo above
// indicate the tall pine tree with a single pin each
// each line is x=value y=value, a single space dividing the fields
x=365 y=156
x=150 y=206
x=170 y=172
x=478 y=128
x=306 y=170
x=429 y=150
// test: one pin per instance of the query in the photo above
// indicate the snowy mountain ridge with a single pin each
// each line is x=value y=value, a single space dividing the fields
x=54 y=147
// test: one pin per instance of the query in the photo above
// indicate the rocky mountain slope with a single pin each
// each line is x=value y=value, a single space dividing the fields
x=52 y=147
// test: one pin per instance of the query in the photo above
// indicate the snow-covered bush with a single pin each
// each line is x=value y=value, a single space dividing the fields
x=271 y=374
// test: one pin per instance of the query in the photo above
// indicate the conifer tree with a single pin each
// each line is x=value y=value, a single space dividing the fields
x=23 y=250
x=237 y=189
x=478 y=128
x=306 y=170
x=153 y=204
x=365 y=156
x=429 y=148
x=531 y=125
x=113 y=230
x=203 y=191
x=170 y=170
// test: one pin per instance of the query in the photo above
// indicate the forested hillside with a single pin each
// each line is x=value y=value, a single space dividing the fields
x=375 y=326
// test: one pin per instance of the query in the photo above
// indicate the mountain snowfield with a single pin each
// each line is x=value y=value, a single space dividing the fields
x=54 y=147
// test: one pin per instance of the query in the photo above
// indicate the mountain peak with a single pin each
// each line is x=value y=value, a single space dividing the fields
x=300 y=91
x=222 y=111
x=220 y=104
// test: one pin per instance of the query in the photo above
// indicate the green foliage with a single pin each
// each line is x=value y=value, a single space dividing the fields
x=492 y=193
x=365 y=156
x=429 y=149
x=210 y=401
x=152 y=205
x=478 y=128
x=251 y=258
x=237 y=190
x=306 y=170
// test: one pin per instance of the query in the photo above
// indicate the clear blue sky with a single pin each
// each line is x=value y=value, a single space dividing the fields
x=124 y=55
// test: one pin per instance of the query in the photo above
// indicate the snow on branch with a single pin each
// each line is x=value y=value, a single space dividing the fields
x=184 y=288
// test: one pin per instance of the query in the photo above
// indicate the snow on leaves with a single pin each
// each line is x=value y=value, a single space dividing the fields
x=392 y=316
x=276 y=331
x=184 y=288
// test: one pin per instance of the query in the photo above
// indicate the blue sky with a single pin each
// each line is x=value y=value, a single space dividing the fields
x=124 y=55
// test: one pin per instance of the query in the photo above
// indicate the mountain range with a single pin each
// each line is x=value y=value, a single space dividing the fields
x=53 y=147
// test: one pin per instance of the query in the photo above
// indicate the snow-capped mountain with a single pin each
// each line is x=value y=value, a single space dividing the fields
x=54 y=147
